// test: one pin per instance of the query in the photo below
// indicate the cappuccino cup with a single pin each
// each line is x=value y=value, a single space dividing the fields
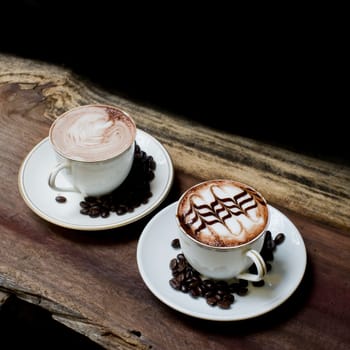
x=94 y=146
x=222 y=225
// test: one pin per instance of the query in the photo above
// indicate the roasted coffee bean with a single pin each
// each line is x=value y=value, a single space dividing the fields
x=243 y=283
x=223 y=285
x=224 y=304
x=279 y=238
x=234 y=287
x=84 y=211
x=94 y=212
x=267 y=255
x=61 y=199
x=184 y=288
x=173 y=264
x=209 y=284
x=212 y=301
x=195 y=291
x=175 y=243
x=180 y=277
x=188 y=280
x=269 y=243
x=217 y=293
x=258 y=283
x=105 y=214
x=121 y=209
x=181 y=256
x=226 y=301
x=175 y=284
x=84 y=204
x=90 y=199
x=242 y=291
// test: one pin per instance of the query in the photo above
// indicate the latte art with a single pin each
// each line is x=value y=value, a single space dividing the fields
x=92 y=133
x=223 y=213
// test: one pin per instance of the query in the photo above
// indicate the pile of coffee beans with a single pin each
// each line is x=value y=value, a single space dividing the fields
x=217 y=293
x=133 y=192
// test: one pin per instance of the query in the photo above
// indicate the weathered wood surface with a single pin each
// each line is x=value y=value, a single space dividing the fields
x=3 y=297
x=317 y=189
x=90 y=281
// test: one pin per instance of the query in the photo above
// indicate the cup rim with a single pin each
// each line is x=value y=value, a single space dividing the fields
x=61 y=116
x=211 y=247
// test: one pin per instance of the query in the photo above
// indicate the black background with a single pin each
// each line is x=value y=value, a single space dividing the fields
x=276 y=77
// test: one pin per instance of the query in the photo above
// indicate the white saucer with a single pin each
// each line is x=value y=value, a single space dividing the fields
x=154 y=252
x=34 y=188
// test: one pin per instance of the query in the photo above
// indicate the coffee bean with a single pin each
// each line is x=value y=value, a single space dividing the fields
x=242 y=291
x=243 y=283
x=61 y=199
x=188 y=280
x=94 y=212
x=279 y=238
x=173 y=264
x=258 y=283
x=175 y=284
x=195 y=291
x=84 y=204
x=175 y=243
x=90 y=199
x=212 y=301
x=217 y=293
x=105 y=213
x=224 y=304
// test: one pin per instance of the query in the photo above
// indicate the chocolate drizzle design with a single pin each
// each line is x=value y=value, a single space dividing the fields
x=230 y=206
x=223 y=214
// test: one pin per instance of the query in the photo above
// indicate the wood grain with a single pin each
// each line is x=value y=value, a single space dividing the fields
x=320 y=190
x=90 y=281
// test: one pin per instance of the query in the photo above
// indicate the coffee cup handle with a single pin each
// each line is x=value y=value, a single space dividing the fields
x=260 y=266
x=52 y=178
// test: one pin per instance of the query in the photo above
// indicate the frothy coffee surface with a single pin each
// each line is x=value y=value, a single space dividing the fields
x=222 y=213
x=92 y=133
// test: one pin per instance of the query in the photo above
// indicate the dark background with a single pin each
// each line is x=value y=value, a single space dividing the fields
x=276 y=77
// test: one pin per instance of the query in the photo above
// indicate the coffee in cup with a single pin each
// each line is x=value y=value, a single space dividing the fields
x=95 y=147
x=222 y=225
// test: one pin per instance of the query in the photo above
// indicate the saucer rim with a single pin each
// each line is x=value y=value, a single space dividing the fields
x=206 y=315
x=131 y=219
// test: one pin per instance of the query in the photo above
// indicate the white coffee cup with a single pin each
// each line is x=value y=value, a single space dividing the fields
x=221 y=227
x=95 y=147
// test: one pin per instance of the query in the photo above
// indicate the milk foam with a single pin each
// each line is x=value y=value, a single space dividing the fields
x=92 y=133
x=222 y=213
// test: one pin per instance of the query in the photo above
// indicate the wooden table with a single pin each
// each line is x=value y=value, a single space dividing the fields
x=90 y=281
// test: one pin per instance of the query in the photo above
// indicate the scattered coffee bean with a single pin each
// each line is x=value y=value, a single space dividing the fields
x=61 y=199
x=132 y=193
x=279 y=238
x=268 y=247
x=175 y=243
x=217 y=293
x=186 y=279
